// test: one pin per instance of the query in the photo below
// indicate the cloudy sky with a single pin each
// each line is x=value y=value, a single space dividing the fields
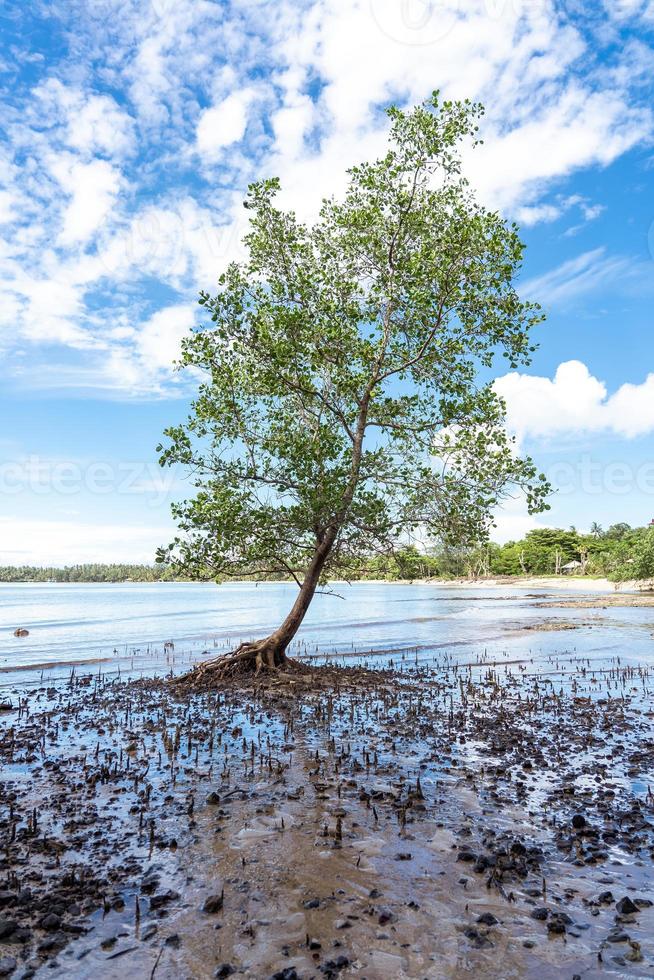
x=130 y=130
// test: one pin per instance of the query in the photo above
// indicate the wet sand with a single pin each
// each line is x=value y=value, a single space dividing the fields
x=486 y=819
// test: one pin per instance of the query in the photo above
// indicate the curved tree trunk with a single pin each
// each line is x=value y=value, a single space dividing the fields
x=270 y=652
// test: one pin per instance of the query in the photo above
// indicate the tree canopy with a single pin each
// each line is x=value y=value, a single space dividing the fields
x=346 y=403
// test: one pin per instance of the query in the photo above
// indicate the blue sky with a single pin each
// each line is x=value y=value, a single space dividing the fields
x=130 y=130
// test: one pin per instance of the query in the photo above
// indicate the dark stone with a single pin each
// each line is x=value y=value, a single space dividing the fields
x=555 y=926
x=540 y=914
x=7 y=898
x=51 y=922
x=290 y=973
x=213 y=799
x=332 y=967
x=487 y=919
x=605 y=898
x=476 y=938
x=213 y=904
x=158 y=901
x=313 y=903
x=173 y=941
x=53 y=943
x=578 y=821
x=625 y=906
x=149 y=883
x=225 y=970
x=24 y=898
x=7 y=926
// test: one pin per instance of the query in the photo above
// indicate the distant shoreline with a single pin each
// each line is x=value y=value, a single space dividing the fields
x=565 y=582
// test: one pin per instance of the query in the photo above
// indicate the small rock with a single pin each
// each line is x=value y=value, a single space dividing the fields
x=626 y=907
x=578 y=821
x=332 y=967
x=213 y=799
x=224 y=970
x=51 y=922
x=540 y=914
x=158 y=901
x=149 y=883
x=487 y=919
x=7 y=926
x=476 y=938
x=213 y=904
x=555 y=926
x=7 y=965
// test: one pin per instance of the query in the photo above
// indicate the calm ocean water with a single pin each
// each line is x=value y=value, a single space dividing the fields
x=123 y=627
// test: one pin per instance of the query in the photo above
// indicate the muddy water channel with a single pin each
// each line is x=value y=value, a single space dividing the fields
x=433 y=809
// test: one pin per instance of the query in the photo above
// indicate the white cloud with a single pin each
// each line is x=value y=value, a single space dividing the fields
x=592 y=271
x=93 y=189
x=574 y=402
x=535 y=213
x=42 y=542
x=223 y=124
x=103 y=200
x=90 y=122
x=512 y=521
x=160 y=337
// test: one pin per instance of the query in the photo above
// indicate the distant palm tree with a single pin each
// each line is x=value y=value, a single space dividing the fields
x=596 y=530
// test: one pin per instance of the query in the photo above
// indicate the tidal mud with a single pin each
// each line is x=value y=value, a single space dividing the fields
x=470 y=820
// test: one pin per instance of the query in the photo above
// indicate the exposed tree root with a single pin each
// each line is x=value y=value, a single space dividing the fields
x=249 y=659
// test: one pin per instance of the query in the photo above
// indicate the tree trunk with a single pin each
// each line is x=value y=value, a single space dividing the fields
x=270 y=652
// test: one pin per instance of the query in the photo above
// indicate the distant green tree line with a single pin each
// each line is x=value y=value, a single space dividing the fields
x=619 y=553
x=88 y=573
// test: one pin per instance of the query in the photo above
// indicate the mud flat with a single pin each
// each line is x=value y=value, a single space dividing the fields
x=481 y=820
x=620 y=600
